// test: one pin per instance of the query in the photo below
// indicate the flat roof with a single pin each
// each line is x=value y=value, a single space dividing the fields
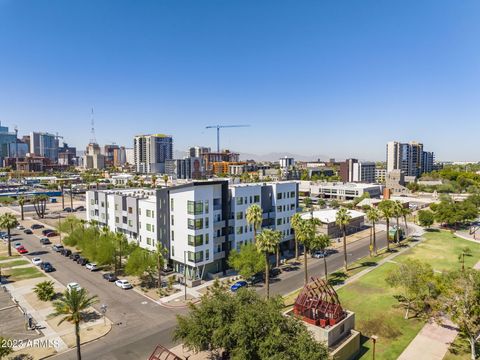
x=330 y=215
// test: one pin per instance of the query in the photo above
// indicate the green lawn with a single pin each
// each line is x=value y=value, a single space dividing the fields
x=22 y=273
x=13 y=263
x=373 y=302
x=6 y=257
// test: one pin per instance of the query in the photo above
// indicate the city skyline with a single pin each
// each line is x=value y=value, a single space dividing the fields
x=313 y=79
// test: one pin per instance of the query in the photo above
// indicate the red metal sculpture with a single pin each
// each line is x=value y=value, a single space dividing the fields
x=318 y=304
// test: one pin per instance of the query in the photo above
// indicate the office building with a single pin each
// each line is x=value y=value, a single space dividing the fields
x=339 y=190
x=286 y=162
x=129 y=156
x=108 y=152
x=352 y=170
x=151 y=152
x=199 y=222
x=44 y=145
x=408 y=157
x=428 y=162
x=67 y=155
x=380 y=175
x=187 y=168
x=93 y=158
x=198 y=151
x=6 y=138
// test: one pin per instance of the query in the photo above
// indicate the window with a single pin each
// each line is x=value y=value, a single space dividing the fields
x=130 y=210
x=256 y=198
x=149 y=227
x=117 y=220
x=116 y=207
x=195 y=224
x=239 y=201
x=207 y=254
x=195 y=257
x=173 y=236
x=92 y=202
x=194 y=207
x=171 y=204
x=124 y=219
x=251 y=199
x=239 y=230
x=130 y=223
x=239 y=215
x=292 y=194
x=153 y=214
x=149 y=241
x=292 y=206
x=206 y=206
x=279 y=196
x=173 y=251
x=153 y=228
x=148 y=213
x=196 y=240
x=172 y=220
x=103 y=216
x=206 y=222
x=139 y=225
x=279 y=221
x=207 y=238
x=279 y=209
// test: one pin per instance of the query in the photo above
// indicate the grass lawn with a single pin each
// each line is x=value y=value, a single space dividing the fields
x=6 y=257
x=14 y=263
x=373 y=302
x=22 y=273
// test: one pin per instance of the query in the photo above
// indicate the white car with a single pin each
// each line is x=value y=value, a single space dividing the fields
x=37 y=261
x=20 y=227
x=91 y=266
x=73 y=285
x=318 y=254
x=124 y=284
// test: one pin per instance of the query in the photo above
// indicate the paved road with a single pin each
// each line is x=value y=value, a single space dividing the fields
x=141 y=324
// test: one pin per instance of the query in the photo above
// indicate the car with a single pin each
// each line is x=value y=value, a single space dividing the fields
x=52 y=234
x=22 y=250
x=74 y=256
x=289 y=268
x=73 y=285
x=47 y=267
x=17 y=245
x=45 y=241
x=91 y=267
x=46 y=231
x=255 y=279
x=68 y=209
x=82 y=261
x=66 y=252
x=238 y=285
x=20 y=227
x=37 y=261
x=80 y=208
x=28 y=231
x=57 y=248
x=275 y=272
x=36 y=226
x=110 y=277
x=319 y=254
x=124 y=284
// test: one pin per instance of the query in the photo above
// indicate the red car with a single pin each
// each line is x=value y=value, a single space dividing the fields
x=22 y=250
x=51 y=234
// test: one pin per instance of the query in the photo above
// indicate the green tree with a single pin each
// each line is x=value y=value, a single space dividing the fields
x=165 y=179
x=386 y=208
x=405 y=211
x=45 y=291
x=8 y=221
x=322 y=242
x=160 y=254
x=21 y=202
x=6 y=347
x=267 y=242
x=305 y=233
x=140 y=262
x=342 y=219
x=154 y=181
x=373 y=215
x=248 y=261
x=295 y=222
x=414 y=279
x=254 y=217
x=73 y=307
x=245 y=326
x=307 y=203
x=426 y=218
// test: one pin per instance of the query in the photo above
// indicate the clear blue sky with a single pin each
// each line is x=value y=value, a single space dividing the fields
x=339 y=78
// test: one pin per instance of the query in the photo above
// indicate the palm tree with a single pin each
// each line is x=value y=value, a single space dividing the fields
x=321 y=242
x=254 y=217
x=160 y=254
x=21 y=202
x=165 y=179
x=73 y=306
x=154 y=181
x=405 y=212
x=342 y=220
x=398 y=212
x=40 y=204
x=305 y=233
x=8 y=221
x=267 y=242
x=295 y=222
x=386 y=209
x=373 y=215
x=62 y=184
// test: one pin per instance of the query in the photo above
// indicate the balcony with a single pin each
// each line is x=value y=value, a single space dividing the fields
x=219 y=255
x=218 y=240
x=219 y=224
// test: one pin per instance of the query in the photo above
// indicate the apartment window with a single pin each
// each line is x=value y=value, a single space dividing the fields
x=173 y=251
x=239 y=230
x=279 y=196
x=102 y=204
x=292 y=194
x=171 y=204
x=239 y=215
x=292 y=206
x=279 y=221
x=116 y=207
x=206 y=222
x=279 y=209
x=196 y=240
x=149 y=227
x=139 y=225
x=207 y=254
x=251 y=199
x=117 y=220
x=239 y=201
x=194 y=207
x=92 y=202
x=124 y=219
x=173 y=236
x=195 y=224
x=207 y=238
x=256 y=198
x=149 y=241
x=130 y=210
x=153 y=228
x=206 y=206
x=172 y=220
x=148 y=213
x=198 y=256
x=130 y=223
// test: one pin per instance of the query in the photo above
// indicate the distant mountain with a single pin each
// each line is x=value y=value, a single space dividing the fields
x=274 y=156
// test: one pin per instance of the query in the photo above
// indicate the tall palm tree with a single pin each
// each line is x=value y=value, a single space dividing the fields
x=305 y=233
x=40 y=204
x=165 y=179
x=398 y=212
x=21 y=202
x=154 y=181
x=267 y=242
x=8 y=221
x=373 y=215
x=254 y=217
x=342 y=220
x=405 y=212
x=386 y=209
x=321 y=242
x=73 y=306
x=295 y=222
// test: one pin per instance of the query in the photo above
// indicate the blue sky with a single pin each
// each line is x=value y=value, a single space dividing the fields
x=338 y=78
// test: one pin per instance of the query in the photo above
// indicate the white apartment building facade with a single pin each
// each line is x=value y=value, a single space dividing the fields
x=198 y=222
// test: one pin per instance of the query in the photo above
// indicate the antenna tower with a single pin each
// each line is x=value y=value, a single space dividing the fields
x=93 y=139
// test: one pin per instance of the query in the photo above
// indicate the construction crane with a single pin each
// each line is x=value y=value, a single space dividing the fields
x=218 y=127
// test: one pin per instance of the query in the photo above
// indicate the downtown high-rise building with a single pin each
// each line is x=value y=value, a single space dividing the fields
x=151 y=152
x=45 y=145
x=410 y=158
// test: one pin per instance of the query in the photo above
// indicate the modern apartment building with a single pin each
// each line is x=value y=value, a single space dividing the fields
x=408 y=157
x=198 y=151
x=199 y=222
x=428 y=162
x=45 y=145
x=151 y=152
x=352 y=170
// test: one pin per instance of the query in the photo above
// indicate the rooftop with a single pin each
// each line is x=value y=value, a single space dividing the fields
x=330 y=215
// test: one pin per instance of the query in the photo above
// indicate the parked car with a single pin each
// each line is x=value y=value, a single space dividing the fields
x=46 y=231
x=20 y=227
x=275 y=272
x=255 y=279
x=45 y=241
x=80 y=208
x=52 y=234
x=238 y=285
x=124 y=284
x=74 y=256
x=28 y=231
x=17 y=245
x=68 y=209
x=91 y=266
x=319 y=254
x=110 y=277
x=57 y=248
x=36 y=226
x=37 y=261
x=22 y=250
x=66 y=252
x=82 y=261
x=47 y=267
x=289 y=268
x=73 y=285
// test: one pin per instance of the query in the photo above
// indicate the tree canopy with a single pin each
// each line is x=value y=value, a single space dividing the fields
x=248 y=261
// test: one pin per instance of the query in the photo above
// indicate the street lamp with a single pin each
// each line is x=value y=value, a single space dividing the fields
x=374 y=340
x=103 y=310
